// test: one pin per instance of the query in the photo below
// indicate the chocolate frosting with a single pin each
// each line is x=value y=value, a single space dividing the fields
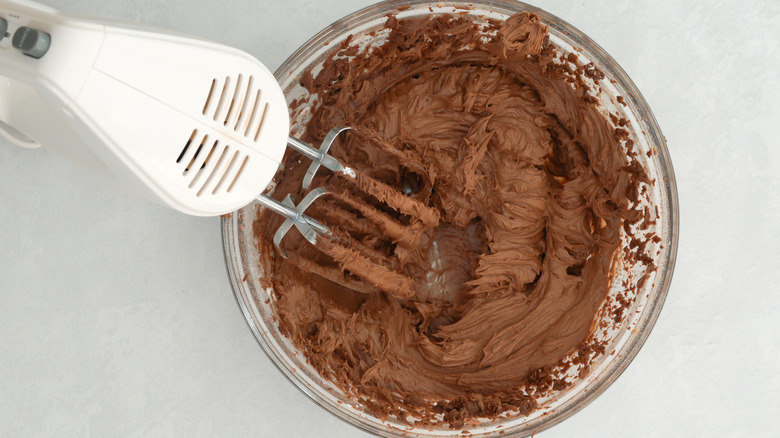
x=495 y=273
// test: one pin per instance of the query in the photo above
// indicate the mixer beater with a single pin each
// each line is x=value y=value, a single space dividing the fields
x=362 y=205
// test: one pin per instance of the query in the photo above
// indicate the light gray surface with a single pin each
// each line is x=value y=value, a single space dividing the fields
x=117 y=319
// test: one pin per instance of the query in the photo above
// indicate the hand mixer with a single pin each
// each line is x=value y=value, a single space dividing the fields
x=196 y=126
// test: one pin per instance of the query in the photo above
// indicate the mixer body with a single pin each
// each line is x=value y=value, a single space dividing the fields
x=188 y=123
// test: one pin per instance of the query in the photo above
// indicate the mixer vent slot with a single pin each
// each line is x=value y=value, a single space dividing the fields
x=201 y=166
x=208 y=98
x=187 y=146
x=238 y=173
x=227 y=170
x=217 y=169
x=193 y=152
x=237 y=104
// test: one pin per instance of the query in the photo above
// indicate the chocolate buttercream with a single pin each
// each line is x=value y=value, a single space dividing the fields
x=495 y=269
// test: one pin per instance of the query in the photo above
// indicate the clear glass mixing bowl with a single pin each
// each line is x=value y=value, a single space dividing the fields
x=624 y=338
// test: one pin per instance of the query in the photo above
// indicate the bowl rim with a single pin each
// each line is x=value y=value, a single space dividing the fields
x=668 y=189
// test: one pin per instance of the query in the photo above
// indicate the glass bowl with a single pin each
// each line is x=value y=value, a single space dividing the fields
x=624 y=336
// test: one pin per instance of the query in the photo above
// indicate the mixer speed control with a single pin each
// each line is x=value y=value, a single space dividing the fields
x=3 y=28
x=32 y=42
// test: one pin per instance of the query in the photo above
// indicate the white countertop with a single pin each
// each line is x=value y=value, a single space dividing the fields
x=117 y=318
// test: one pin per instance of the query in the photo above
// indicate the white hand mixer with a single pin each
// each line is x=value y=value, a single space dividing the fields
x=194 y=125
